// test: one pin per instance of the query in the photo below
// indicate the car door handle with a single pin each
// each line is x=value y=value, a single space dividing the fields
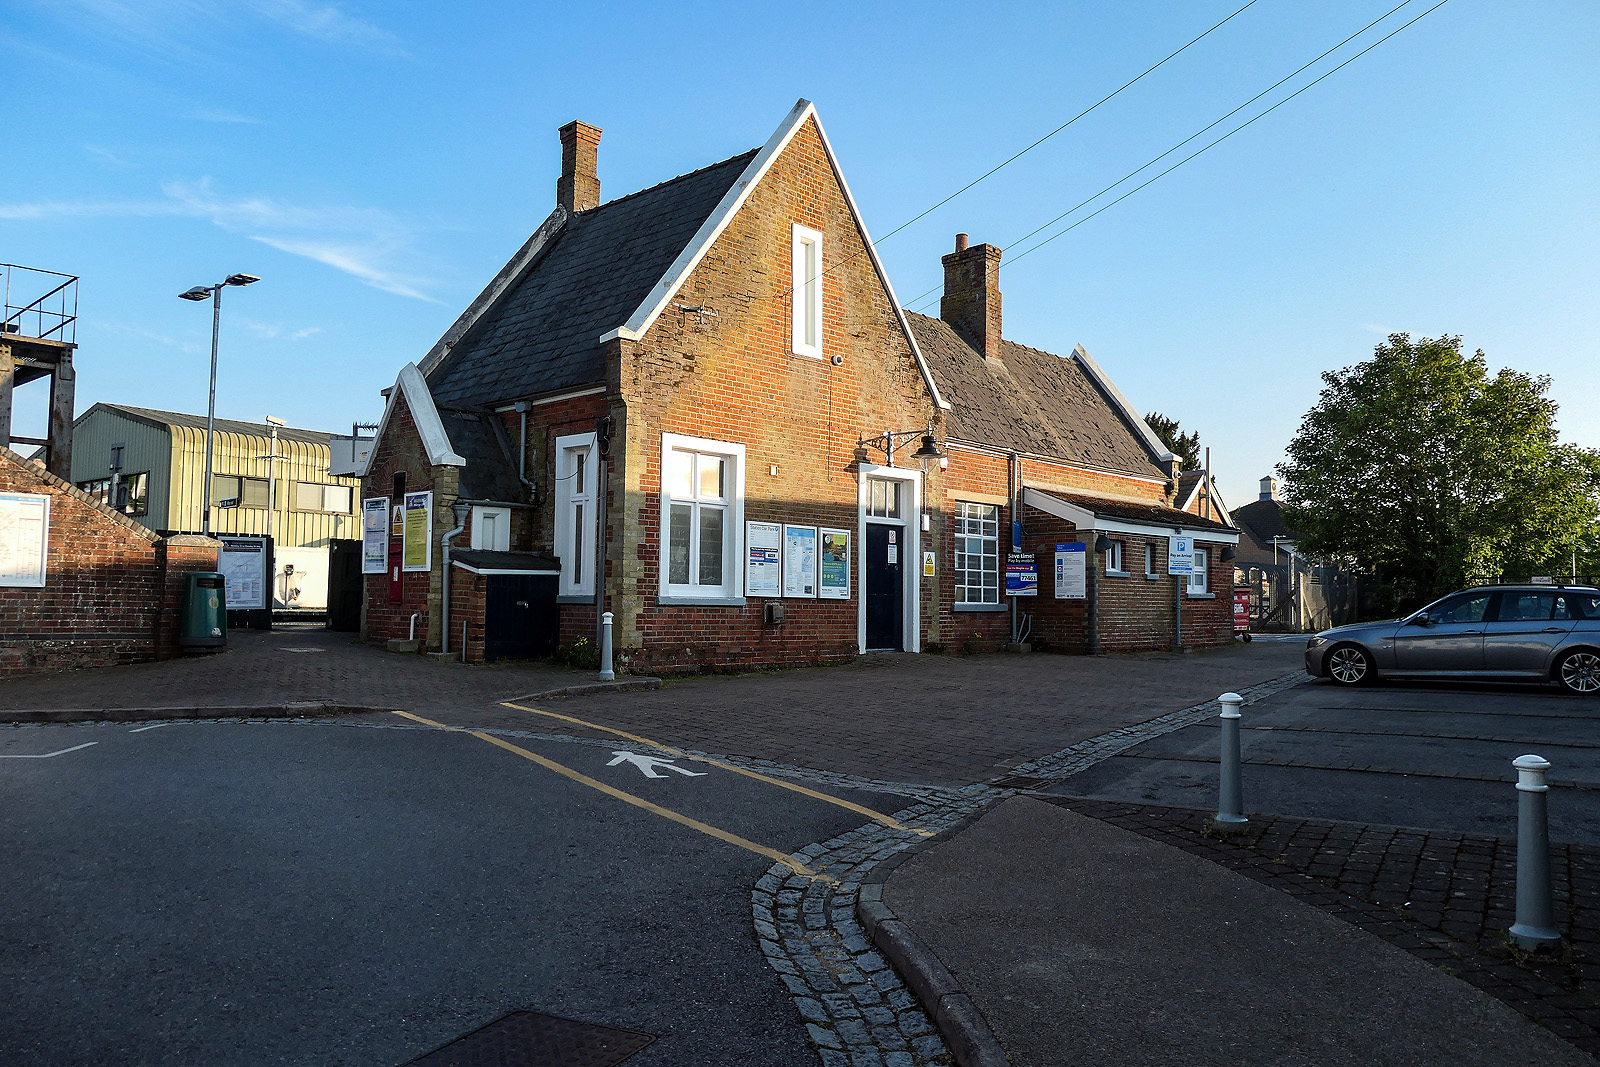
x=1554 y=630
x=1470 y=631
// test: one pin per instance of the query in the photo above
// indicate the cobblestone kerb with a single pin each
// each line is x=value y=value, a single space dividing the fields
x=295 y=709
x=1445 y=897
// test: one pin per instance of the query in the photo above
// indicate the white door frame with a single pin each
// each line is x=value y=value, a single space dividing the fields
x=911 y=522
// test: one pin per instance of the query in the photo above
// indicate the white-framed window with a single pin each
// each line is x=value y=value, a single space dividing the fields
x=702 y=520
x=491 y=529
x=316 y=496
x=883 y=497
x=249 y=492
x=575 y=513
x=977 y=569
x=1114 y=558
x=1150 y=560
x=806 y=254
x=1197 y=577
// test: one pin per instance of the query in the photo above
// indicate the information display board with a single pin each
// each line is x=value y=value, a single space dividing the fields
x=1072 y=570
x=1022 y=574
x=418 y=552
x=243 y=563
x=799 y=561
x=1180 y=555
x=374 y=535
x=835 y=577
x=763 y=567
x=24 y=539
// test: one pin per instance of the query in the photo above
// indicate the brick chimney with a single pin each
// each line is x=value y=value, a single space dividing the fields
x=578 y=188
x=971 y=302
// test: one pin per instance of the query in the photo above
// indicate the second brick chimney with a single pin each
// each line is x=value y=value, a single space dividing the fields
x=578 y=188
x=971 y=302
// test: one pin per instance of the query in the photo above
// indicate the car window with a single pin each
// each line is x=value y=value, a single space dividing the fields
x=1526 y=607
x=1578 y=606
x=1463 y=609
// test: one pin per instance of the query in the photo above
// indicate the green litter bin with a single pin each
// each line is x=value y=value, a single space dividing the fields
x=205 y=611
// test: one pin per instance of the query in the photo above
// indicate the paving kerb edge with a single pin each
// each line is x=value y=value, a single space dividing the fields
x=299 y=709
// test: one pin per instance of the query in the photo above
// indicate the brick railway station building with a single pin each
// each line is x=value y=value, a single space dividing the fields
x=701 y=408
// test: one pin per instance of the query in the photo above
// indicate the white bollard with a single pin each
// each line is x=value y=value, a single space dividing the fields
x=606 y=673
x=1230 y=800
x=1535 y=928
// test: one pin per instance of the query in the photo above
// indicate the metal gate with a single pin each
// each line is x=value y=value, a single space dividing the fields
x=521 y=619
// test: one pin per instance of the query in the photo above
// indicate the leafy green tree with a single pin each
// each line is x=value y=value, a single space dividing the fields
x=1421 y=465
x=1186 y=446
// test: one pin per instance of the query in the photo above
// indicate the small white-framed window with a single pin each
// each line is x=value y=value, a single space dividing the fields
x=491 y=529
x=702 y=519
x=1114 y=558
x=806 y=255
x=977 y=564
x=575 y=513
x=1197 y=577
x=883 y=497
x=1150 y=560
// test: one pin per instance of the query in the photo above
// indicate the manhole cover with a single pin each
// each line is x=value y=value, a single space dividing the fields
x=302 y=650
x=529 y=1039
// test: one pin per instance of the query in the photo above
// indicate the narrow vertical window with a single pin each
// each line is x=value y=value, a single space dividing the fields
x=1197 y=577
x=806 y=253
x=977 y=543
x=575 y=512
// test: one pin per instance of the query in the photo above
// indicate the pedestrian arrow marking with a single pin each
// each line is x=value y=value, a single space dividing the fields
x=648 y=764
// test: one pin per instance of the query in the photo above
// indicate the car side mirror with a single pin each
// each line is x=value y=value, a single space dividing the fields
x=1421 y=620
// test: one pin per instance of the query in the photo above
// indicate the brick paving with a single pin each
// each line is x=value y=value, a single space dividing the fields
x=1445 y=897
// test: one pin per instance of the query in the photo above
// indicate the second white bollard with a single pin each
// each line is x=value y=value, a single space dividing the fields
x=606 y=673
x=1535 y=928
x=1230 y=802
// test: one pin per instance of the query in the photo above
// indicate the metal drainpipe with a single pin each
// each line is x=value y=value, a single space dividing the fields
x=444 y=608
x=1012 y=490
x=521 y=408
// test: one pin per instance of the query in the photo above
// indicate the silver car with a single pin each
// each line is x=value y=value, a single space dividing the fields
x=1536 y=633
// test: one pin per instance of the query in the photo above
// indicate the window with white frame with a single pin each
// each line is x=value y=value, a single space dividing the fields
x=1150 y=560
x=977 y=569
x=806 y=252
x=1114 y=558
x=883 y=497
x=491 y=529
x=702 y=503
x=575 y=513
x=1197 y=577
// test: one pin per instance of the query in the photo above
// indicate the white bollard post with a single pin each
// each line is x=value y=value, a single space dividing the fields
x=1535 y=928
x=606 y=673
x=1230 y=801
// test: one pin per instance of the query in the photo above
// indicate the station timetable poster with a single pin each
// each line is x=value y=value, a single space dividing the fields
x=375 y=535
x=243 y=563
x=835 y=580
x=1072 y=571
x=799 y=561
x=418 y=551
x=763 y=569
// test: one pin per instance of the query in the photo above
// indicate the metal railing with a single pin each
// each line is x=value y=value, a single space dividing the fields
x=39 y=303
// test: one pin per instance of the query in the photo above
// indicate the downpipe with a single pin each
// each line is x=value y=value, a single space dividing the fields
x=444 y=608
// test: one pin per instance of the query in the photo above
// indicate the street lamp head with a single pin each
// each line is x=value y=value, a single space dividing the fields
x=199 y=292
x=240 y=279
x=273 y=420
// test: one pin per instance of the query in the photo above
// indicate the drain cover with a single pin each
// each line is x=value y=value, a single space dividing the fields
x=529 y=1039
x=302 y=649
x=1018 y=781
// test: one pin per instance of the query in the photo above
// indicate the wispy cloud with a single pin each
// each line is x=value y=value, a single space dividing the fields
x=215 y=114
x=330 y=25
x=366 y=243
x=107 y=158
x=168 y=28
x=271 y=331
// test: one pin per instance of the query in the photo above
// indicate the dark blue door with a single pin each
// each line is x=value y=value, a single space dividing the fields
x=886 y=588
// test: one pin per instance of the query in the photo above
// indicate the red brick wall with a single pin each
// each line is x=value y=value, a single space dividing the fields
x=113 y=589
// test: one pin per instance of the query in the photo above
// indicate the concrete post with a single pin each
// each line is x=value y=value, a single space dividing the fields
x=1230 y=804
x=1535 y=928
x=606 y=673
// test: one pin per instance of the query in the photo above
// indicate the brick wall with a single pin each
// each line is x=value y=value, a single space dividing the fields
x=113 y=589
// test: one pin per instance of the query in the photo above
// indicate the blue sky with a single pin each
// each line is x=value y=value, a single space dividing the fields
x=376 y=163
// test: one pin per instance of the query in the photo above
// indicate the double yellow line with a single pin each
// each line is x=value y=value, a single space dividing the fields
x=667 y=813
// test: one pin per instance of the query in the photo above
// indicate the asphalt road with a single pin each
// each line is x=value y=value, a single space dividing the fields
x=314 y=893
x=1428 y=755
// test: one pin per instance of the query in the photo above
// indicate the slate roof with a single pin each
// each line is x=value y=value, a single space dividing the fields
x=1128 y=511
x=543 y=334
x=481 y=440
x=258 y=429
x=1263 y=520
x=1032 y=401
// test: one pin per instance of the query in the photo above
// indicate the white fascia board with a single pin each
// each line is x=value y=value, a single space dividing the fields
x=424 y=415
x=1140 y=427
x=570 y=394
x=1086 y=520
x=501 y=284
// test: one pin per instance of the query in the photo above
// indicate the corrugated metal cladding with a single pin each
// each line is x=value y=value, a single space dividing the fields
x=238 y=455
x=146 y=447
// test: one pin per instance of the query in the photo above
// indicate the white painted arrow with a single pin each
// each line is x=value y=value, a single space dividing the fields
x=648 y=764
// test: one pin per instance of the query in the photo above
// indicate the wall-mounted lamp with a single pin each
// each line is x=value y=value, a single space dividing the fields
x=1103 y=543
x=1228 y=554
x=889 y=440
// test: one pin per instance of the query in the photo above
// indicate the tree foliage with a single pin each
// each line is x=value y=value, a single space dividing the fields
x=1186 y=446
x=1421 y=465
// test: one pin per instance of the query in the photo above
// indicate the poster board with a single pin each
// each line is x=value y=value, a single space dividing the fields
x=763 y=559
x=24 y=539
x=1022 y=574
x=799 y=561
x=243 y=563
x=417 y=554
x=1180 y=555
x=374 y=535
x=834 y=578
x=1072 y=571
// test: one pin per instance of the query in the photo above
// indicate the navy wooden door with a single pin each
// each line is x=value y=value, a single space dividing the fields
x=520 y=617
x=886 y=588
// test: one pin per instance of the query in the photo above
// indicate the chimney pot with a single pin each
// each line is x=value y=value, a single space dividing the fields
x=578 y=188
x=971 y=302
x=961 y=242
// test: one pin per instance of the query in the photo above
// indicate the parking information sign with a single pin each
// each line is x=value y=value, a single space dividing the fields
x=1180 y=555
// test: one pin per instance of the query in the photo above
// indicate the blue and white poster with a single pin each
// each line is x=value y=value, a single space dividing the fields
x=1071 y=571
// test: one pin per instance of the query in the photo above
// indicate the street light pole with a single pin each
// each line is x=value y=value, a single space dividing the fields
x=200 y=292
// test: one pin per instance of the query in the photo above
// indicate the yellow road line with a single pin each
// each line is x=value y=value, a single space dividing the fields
x=639 y=802
x=877 y=816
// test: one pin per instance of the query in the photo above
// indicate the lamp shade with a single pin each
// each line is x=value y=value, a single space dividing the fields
x=929 y=449
x=1102 y=543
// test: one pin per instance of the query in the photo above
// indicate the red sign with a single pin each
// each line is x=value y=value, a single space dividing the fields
x=1241 y=609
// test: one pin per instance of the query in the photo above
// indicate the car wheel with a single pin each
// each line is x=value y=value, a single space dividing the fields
x=1349 y=665
x=1579 y=672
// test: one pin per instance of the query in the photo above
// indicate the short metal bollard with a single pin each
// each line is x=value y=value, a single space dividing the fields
x=1230 y=802
x=606 y=673
x=1535 y=928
